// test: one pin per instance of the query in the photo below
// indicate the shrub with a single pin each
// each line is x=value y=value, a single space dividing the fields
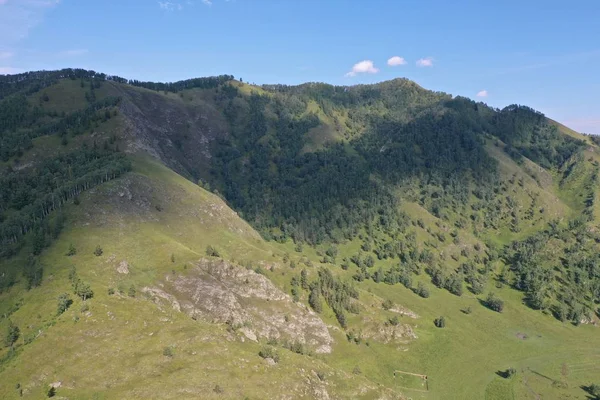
x=422 y=290
x=477 y=286
x=454 y=284
x=212 y=252
x=12 y=334
x=269 y=352
x=98 y=252
x=394 y=321
x=51 y=392
x=85 y=307
x=594 y=390
x=494 y=303
x=111 y=291
x=357 y=370
x=405 y=279
x=72 y=250
x=168 y=351
x=387 y=304
x=64 y=302
x=297 y=347
x=314 y=300
x=131 y=292
x=82 y=289
x=295 y=295
x=304 y=279
x=218 y=389
x=440 y=322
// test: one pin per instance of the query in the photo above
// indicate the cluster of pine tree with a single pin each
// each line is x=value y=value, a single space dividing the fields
x=28 y=196
x=558 y=269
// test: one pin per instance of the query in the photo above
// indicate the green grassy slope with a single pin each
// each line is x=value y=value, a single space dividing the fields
x=115 y=348
x=156 y=223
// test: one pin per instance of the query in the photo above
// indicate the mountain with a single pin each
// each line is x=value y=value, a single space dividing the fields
x=210 y=238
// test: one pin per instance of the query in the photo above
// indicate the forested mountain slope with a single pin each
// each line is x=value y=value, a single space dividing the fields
x=379 y=208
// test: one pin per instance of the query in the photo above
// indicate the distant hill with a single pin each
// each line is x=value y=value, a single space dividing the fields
x=210 y=238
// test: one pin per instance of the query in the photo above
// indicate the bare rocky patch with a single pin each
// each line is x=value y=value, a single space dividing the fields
x=175 y=131
x=220 y=292
x=385 y=332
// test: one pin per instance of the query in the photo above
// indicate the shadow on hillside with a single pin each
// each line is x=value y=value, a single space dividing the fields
x=503 y=374
x=590 y=392
x=541 y=375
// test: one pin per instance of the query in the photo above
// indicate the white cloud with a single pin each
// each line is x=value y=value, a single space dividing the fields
x=179 y=5
x=482 y=93
x=176 y=5
x=5 y=55
x=170 y=6
x=19 y=17
x=425 y=62
x=395 y=61
x=166 y=5
x=73 y=52
x=365 y=66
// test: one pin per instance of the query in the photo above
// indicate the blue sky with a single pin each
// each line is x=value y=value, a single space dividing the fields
x=545 y=54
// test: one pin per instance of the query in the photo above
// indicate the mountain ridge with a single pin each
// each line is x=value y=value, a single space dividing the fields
x=367 y=205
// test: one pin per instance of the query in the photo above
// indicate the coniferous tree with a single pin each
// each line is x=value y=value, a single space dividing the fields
x=12 y=334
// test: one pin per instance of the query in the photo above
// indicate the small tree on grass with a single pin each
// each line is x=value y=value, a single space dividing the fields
x=511 y=372
x=51 y=392
x=168 y=351
x=440 y=322
x=269 y=352
x=594 y=390
x=304 y=279
x=212 y=252
x=12 y=334
x=83 y=290
x=332 y=252
x=422 y=290
x=72 y=250
x=314 y=300
x=64 y=302
x=218 y=389
x=98 y=252
x=494 y=303
x=387 y=304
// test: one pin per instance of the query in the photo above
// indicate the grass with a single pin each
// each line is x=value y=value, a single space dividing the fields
x=117 y=348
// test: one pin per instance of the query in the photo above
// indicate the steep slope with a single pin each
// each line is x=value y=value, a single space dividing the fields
x=381 y=208
x=153 y=226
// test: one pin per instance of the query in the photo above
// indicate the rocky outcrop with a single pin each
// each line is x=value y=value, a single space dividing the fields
x=220 y=292
x=176 y=130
